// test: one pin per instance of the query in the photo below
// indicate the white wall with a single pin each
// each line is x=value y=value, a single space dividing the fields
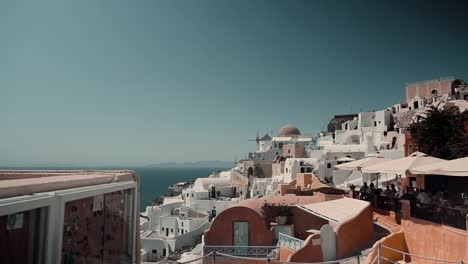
x=189 y=224
x=207 y=205
x=188 y=239
x=317 y=154
x=259 y=187
x=168 y=223
x=264 y=145
x=366 y=119
x=339 y=176
x=149 y=244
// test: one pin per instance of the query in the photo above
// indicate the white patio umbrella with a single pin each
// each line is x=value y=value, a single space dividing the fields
x=361 y=163
x=402 y=165
x=345 y=159
x=457 y=167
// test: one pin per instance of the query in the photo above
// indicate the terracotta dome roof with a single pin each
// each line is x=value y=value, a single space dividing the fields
x=289 y=130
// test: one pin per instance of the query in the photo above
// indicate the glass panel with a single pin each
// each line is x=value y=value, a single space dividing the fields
x=23 y=237
x=98 y=229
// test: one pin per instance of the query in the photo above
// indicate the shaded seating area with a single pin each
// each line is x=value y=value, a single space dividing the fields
x=437 y=190
x=444 y=196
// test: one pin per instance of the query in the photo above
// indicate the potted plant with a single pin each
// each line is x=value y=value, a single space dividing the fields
x=276 y=212
x=283 y=212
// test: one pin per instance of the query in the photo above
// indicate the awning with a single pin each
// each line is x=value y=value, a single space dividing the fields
x=359 y=164
x=401 y=166
x=457 y=167
x=345 y=159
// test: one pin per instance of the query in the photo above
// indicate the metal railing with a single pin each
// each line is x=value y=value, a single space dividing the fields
x=440 y=215
x=383 y=202
x=381 y=256
x=289 y=241
x=405 y=254
x=388 y=203
x=247 y=251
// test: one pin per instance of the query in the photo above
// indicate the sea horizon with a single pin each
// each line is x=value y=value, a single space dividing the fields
x=153 y=181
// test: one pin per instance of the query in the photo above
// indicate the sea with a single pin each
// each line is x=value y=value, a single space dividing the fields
x=153 y=181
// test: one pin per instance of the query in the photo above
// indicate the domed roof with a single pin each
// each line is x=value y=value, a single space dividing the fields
x=289 y=130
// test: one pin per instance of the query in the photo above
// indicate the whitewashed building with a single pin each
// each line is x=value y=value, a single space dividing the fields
x=180 y=221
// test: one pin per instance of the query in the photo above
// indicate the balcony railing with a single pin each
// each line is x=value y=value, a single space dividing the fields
x=245 y=251
x=384 y=202
x=388 y=203
x=454 y=217
x=289 y=241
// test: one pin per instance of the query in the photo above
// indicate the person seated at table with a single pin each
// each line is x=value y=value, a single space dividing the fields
x=371 y=188
x=437 y=196
x=444 y=202
x=465 y=202
x=424 y=197
x=393 y=189
x=363 y=191
x=398 y=194
x=387 y=191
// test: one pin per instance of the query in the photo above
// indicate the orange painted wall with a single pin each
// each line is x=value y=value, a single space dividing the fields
x=394 y=240
x=285 y=253
x=303 y=179
x=435 y=241
x=426 y=239
x=221 y=230
x=309 y=252
x=424 y=90
x=354 y=234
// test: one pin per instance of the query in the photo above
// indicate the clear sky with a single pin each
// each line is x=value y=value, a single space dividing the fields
x=137 y=82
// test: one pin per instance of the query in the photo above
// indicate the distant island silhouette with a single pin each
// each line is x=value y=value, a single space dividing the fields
x=194 y=164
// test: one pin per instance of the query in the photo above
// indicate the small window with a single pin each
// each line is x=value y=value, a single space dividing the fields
x=182 y=223
x=154 y=251
x=375 y=123
x=187 y=195
x=182 y=231
x=193 y=195
x=162 y=229
x=172 y=230
x=328 y=165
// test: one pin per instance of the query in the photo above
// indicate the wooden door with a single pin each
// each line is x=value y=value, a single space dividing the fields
x=241 y=238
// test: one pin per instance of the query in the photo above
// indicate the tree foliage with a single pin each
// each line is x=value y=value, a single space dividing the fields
x=442 y=133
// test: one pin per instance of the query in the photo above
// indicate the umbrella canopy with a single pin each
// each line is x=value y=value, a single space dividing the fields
x=400 y=166
x=457 y=167
x=345 y=159
x=359 y=164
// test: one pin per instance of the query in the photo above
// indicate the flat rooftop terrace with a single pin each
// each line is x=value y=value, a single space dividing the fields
x=26 y=182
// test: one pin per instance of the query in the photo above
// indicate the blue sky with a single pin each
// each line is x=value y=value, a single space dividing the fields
x=137 y=82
